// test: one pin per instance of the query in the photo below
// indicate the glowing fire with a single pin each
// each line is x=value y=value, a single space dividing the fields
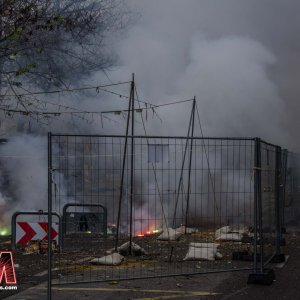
x=4 y=231
x=147 y=232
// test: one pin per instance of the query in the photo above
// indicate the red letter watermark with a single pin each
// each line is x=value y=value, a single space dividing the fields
x=7 y=268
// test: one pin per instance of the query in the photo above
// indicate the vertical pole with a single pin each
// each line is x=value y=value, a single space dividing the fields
x=259 y=206
x=181 y=173
x=49 y=215
x=284 y=169
x=278 y=199
x=257 y=203
x=2 y=35
x=190 y=165
x=123 y=171
x=132 y=165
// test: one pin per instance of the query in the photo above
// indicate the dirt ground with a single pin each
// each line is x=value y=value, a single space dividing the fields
x=219 y=286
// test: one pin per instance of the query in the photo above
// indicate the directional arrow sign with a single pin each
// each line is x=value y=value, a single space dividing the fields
x=28 y=231
x=28 y=234
x=54 y=232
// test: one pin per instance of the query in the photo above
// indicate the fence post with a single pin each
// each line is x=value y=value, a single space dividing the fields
x=258 y=235
x=259 y=275
x=284 y=170
x=13 y=231
x=279 y=257
x=49 y=290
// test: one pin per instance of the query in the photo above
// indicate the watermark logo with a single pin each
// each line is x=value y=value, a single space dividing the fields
x=8 y=279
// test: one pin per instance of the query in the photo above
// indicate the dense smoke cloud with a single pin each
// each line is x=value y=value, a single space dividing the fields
x=238 y=57
x=24 y=161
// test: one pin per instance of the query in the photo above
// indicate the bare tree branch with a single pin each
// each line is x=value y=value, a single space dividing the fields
x=52 y=43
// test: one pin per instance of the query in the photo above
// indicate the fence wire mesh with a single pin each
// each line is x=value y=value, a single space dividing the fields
x=268 y=223
x=291 y=204
x=174 y=205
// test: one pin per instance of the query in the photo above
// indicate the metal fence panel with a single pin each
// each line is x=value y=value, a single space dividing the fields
x=201 y=190
x=268 y=201
x=292 y=190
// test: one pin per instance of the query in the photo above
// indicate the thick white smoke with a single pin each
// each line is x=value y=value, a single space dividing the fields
x=235 y=57
x=228 y=74
x=24 y=182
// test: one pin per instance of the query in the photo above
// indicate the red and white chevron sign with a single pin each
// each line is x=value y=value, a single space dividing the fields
x=27 y=231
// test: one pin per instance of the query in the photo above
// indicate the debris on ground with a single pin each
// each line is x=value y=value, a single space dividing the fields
x=44 y=246
x=203 y=251
x=39 y=247
x=186 y=230
x=170 y=234
x=124 y=250
x=136 y=250
x=231 y=233
x=114 y=259
x=33 y=247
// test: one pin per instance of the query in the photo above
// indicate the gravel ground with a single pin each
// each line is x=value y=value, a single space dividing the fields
x=230 y=285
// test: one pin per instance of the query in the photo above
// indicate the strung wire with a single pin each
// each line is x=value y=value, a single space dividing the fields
x=153 y=106
x=77 y=111
x=97 y=87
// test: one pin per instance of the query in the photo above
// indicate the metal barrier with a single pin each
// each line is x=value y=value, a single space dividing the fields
x=92 y=222
x=268 y=214
x=284 y=188
x=292 y=190
x=33 y=233
x=170 y=202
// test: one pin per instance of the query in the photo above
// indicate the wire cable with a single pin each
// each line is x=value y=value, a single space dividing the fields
x=97 y=87
x=207 y=160
x=154 y=171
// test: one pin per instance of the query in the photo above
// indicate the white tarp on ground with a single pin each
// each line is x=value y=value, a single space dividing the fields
x=185 y=229
x=114 y=259
x=228 y=233
x=170 y=234
x=135 y=248
x=205 y=245
x=203 y=251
